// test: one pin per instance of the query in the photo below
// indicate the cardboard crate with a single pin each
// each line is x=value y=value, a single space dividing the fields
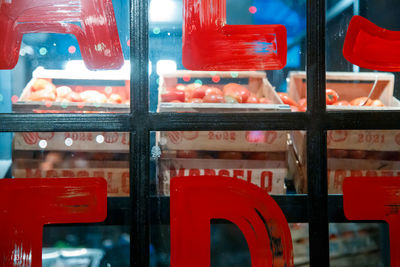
x=338 y=169
x=350 y=85
x=116 y=173
x=78 y=80
x=269 y=175
x=81 y=141
x=255 y=82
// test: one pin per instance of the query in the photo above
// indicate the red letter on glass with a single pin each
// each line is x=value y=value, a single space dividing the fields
x=27 y=204
x=372 y=47
x=97 y=34
x=375 y=198
x=195 y=201
x=210 y=44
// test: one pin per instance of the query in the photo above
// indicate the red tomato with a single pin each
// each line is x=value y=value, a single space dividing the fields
x=230 y=155
x=338 y=153
x=264 y=100
x=377 y=103
x=287 y=100
x=187 y=154
x=213 y=99
x=170 y=96
x=331 y=96
x=180 y=87
x=240 y=93
x=214 y=91
x=252 y=100
x=357 y=154
x=258 y=156
x=74 y=97
x=295 y=108
x=302 y=102
x=93 y=96
x=360 y=101
x=230 y=100
x=342 y=103
x=43 y=95
x=199 y=92
x=40 y=84
x=115 y=98
x=63 y=91
x=195 y=100
x=376 y=155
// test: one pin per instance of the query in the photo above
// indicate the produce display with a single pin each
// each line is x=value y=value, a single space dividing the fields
x=44 y=90
x=233 y=155
x=196 y=93
x=332 y=98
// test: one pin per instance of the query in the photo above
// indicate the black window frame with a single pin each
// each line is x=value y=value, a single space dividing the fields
x=316 y=208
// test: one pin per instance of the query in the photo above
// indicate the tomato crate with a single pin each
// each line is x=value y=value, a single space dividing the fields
x=268 y=174
x=116 y=173
x=75 y=90
x=254 y=82
x=72 y=141
x=339 y=169
x=350 y=86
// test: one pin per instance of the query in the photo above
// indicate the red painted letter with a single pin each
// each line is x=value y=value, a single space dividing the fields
x=210 y=44
x=372 y=47
x=27 y=204
x=195 y=201
x=375 y=198
x=97 y=36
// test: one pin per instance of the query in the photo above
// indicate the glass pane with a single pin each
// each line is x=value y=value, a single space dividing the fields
x=361 y=153
x=58 y=70
x=73 y=154
x=358 y=244
x=89 y=246
x=263 y=158
x=359 y=81
x=174 y=88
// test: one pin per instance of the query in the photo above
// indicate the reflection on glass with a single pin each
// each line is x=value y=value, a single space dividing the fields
x=73 y=154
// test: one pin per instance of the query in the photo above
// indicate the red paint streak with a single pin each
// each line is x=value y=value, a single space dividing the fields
x=372 y=47
x=27 y=204
x=254 y=212
x=375 y=198
x=210 y=44
x=97 y=37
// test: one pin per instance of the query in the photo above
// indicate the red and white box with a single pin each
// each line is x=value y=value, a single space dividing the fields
x=72 y=141
x=358 y=147
x=269 y=175
x=116 y=173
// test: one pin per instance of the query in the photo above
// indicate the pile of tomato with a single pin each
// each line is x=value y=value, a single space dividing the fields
x=44 y=90
x=332 y=98
x=197 y=93
x=232 y=155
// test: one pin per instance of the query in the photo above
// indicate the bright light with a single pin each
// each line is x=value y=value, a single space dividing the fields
x=42 y=144
x=163 y=10
x=100 y=139
x=69 y=142
x=74 y=253
x=165 y=66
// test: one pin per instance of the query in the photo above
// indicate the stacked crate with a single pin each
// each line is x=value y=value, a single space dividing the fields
x=350 y=152
x=259 y=157
x=75 y=154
